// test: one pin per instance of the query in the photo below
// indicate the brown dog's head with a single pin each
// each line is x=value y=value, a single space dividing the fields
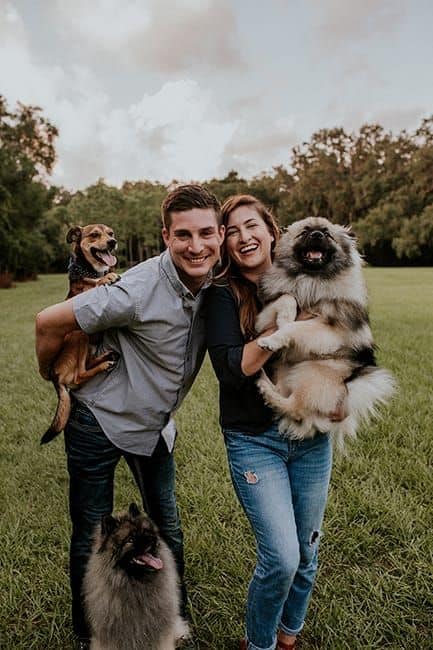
x=94 y=244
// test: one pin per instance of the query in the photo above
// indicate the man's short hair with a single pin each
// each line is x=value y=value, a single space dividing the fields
x=186 y=197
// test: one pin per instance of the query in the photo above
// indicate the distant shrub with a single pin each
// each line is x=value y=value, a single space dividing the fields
x=6 y=281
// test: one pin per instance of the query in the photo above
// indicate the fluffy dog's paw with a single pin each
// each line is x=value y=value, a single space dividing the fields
x=270 y=343
x=183 y=634
x=264 y=343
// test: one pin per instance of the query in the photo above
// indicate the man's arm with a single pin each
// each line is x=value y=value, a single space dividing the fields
x=52 y=324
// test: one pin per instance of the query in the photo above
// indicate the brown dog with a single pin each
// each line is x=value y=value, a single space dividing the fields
x=91 y=265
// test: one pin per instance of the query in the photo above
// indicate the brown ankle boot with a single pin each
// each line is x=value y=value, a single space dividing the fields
x=282 y=645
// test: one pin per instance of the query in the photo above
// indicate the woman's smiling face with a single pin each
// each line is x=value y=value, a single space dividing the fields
x=248 y=240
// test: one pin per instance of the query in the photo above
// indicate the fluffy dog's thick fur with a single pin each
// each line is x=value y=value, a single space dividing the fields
x=326 y=363
x=91 y=265
x=131 y=588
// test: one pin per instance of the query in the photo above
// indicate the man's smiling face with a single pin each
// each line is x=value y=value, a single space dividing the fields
x=194 y=239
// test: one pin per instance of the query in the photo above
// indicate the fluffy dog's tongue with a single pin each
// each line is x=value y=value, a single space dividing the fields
x=151 y=560
x=108 y=259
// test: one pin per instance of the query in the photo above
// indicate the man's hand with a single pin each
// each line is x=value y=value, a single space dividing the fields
x=52 y=325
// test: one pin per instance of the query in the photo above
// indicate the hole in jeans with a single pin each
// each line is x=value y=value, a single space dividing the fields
x=251 y=477
x=314 y=537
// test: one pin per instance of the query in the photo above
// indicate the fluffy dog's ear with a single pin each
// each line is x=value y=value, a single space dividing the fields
x=73 y=234
x=348 y=231
x=134 y=510
x=108 y=524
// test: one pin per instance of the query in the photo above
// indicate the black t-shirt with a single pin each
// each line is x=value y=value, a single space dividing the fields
x=241 y=405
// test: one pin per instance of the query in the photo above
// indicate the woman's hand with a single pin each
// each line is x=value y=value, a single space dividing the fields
x=253 y=356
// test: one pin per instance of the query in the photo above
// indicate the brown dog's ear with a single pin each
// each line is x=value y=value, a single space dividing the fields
x=73 y=234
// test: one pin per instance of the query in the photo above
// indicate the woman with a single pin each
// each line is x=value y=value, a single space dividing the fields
x=282 y=484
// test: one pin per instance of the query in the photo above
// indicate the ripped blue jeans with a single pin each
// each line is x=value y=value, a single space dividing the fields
x=283 y=486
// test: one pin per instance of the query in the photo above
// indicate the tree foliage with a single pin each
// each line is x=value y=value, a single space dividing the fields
x=27 y=156
x=379 y=183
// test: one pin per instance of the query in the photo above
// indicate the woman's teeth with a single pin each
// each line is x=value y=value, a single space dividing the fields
x=248 y=249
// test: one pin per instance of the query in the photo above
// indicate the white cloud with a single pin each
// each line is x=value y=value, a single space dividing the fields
x=341 y=21
x=172 y=132
x=257 y=146
x=158 y=34
x=168 y=134
x=107 y=24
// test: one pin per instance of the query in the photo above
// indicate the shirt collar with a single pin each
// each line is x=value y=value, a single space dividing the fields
x=172 y=275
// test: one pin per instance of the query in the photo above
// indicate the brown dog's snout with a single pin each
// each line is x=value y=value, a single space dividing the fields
x=112 y=243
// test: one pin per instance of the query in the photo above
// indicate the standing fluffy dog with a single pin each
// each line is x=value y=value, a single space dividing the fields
x=131 y=587
x=327 y=363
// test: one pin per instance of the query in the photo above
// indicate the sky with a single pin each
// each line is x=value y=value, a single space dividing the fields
x=191 y=89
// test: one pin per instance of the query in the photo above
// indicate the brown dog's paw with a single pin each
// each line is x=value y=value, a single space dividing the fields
x=110 y=278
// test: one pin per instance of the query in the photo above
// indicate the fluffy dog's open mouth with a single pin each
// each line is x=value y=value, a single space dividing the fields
x=149 y=561
x=104 y=256
x=315 y=256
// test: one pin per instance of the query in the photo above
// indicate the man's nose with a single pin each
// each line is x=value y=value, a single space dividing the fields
x=195 y=244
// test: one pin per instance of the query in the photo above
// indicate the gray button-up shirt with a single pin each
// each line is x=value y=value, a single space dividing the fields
x=156 y=325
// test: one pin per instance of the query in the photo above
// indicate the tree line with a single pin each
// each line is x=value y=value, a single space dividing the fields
x=378 y=182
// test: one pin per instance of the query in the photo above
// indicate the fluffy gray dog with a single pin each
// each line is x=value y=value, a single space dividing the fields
x=131 y=587
x=326 y=364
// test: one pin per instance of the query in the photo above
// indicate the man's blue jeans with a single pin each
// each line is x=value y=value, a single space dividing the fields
x=92 y=460
x=282 y=486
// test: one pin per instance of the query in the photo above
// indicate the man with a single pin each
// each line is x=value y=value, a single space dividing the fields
x=152 y=319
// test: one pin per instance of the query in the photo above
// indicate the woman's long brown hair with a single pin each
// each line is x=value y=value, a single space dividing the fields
x=244 y=290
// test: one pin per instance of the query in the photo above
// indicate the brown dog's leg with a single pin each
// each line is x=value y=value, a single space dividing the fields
x=98 y=364
x=109 y=355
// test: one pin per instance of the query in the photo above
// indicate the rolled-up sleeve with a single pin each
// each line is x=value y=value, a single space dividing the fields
x=224 y=337
x=104 y=307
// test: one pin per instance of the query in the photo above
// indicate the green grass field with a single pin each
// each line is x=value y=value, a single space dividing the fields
x=374 y=588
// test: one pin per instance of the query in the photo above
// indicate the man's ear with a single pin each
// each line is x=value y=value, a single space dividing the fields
x=221 y=233
x=166 y=236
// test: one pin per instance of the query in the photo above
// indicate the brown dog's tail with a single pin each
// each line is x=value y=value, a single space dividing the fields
x=62 y=413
